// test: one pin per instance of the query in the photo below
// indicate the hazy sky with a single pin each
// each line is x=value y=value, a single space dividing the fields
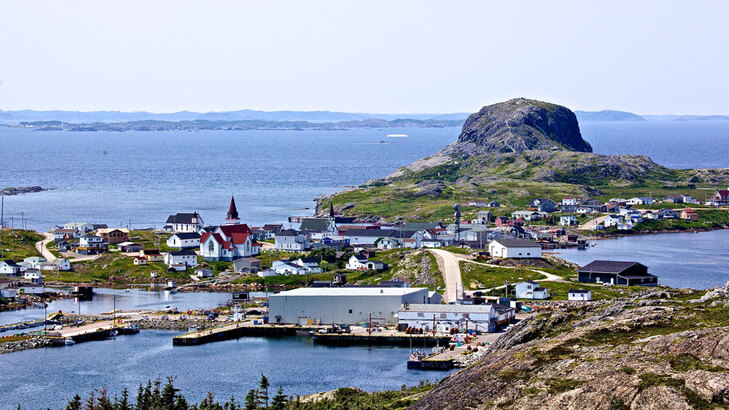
x=370 y=56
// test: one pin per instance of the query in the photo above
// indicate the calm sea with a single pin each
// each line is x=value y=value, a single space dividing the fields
x=138 y=178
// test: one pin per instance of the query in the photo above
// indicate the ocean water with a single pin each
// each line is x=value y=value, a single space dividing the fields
x=138 y=178
x=681 y=260
x=49 y=377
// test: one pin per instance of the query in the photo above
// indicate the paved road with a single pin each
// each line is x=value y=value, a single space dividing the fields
x=448 y=264
x=42 y=247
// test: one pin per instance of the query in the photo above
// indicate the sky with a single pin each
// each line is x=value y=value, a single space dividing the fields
x=647 y=57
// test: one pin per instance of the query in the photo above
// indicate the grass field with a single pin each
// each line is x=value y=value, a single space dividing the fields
x=480 y=277
x=18 y=244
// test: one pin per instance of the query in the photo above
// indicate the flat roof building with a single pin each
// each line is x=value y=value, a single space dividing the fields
x=352 y=306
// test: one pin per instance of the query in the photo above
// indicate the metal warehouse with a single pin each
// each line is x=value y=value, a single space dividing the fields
x=342 y=305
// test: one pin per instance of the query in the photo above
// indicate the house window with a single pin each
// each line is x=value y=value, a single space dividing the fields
x=350 y=311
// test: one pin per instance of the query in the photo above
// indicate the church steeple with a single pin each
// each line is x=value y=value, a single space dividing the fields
x=232 y=217
x=331 y=210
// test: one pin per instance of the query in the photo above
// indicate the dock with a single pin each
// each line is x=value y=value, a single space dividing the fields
x=380 y=339
x=237 y=330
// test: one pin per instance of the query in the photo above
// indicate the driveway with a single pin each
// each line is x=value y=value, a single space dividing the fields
x=42 y=247
x=448 y=264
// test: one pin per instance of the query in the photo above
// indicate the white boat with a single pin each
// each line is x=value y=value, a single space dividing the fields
x=68 y=341
x=113 y=333
x=397 y=135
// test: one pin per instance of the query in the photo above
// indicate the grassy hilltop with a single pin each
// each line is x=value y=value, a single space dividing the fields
x=512 y=152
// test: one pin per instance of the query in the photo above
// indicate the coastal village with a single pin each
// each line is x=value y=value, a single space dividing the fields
x=342 y=279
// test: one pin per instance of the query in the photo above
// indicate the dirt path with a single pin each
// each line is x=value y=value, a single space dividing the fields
x=42 y=247
x=590 y=225
x=448 y=264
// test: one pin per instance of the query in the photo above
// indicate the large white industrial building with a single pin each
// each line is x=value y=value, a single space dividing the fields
x=350 y=305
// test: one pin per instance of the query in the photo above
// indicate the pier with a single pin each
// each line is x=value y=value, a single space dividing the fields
x=387 y=339
x=237 y=330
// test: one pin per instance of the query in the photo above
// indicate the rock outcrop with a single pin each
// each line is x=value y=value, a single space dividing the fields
x=655 y=350
x=520 y=125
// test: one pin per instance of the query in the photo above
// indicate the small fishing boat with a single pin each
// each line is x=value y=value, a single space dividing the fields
x=68 y=341
x=397 y=135
x=113 y=333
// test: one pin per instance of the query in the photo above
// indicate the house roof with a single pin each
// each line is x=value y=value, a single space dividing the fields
x=314 y=224
x=128 y=244
x=288 y=232
x=381 y=262
x=228 y=230
x=11 y=263
x=182 y=253
x=182 y=218
x=723 y=192
x=309 y=260
x=379 y=233
x=272 y=227
x=531 y=281
x=517 y=243
x=102 y=231
x=578 y=291
x=349 y=291
x=603 y=266
x=187 y=235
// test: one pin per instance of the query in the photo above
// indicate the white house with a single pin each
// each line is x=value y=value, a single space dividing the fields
x=357 y=262
x=184 y=222
x=569 y=201
x=81 y=227
x=33 y=275
x=530 y=290
x=390 y=243
x=61 y=234
x=579 y=294
x=284 y=267
x=568 y=220
x=292 y=240
x=376 y=265
x=311 y=264
x=8 y=267
x=641 y=200
x=34 y=262
x=187 y=258
x=612 y=220
x=204 y=273
x=184 y=240
x=515 y=248
x=62 y=264
x=228 y=242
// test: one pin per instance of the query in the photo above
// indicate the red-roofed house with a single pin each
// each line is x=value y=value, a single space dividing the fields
x=720 y=198
x=228 y=242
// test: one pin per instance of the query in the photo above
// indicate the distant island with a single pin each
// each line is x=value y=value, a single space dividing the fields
x=607 y=115
x=22 y=190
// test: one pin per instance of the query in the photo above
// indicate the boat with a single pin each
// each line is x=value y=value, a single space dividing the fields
x=415 y=359
x=397 y=135
x=68 y=341
x=113 y=333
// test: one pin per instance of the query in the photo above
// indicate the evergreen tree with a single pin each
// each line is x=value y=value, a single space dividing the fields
x=140 y=397
x=263 y=391
x=124 y=403
x=251 y=402
x=279 y=400
x=74 y=404
x=169 y=393
x=90 y=403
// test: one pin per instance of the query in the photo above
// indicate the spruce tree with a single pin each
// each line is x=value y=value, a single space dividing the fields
x=263 y=391
x=279 y=400
x=74 y=404
x=251 y=402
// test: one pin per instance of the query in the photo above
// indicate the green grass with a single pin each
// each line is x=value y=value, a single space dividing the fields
x=119 y=269
x=479 y=277
x=18 y=244
x=559 y=290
